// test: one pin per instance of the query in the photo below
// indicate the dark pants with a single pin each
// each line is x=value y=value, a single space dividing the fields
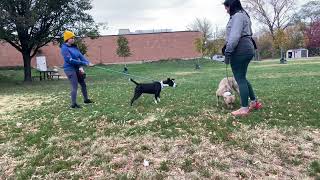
x=74 y=79
x=239 y=66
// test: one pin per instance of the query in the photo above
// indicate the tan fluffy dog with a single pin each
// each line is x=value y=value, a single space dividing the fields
x=227 y=87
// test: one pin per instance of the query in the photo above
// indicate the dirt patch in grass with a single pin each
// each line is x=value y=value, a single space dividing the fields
x=284 y=75
x=185 y=73
x=256 y=153
x=8 y=162
x=147 y=120
x=12 y=103
x=279 y=153
x=289 y=64
x=251 y=153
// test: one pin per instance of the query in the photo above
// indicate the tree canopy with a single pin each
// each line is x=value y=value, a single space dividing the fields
x=29 y=25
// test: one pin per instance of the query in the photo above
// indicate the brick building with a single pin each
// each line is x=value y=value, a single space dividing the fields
x=144 y=47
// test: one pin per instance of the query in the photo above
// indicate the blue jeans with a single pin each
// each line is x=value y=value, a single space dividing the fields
x=74 y=79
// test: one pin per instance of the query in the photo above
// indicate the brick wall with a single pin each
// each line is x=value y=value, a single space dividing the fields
x=9 y=56
x=144 y=47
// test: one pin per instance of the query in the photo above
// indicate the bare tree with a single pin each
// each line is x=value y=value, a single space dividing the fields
x=203 y=25
x=309 y=12
x=215 y=45
x=273 y=14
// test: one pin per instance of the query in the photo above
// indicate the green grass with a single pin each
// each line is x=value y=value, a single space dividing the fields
x=289 y=92
x=314 y=169
x=164 y=166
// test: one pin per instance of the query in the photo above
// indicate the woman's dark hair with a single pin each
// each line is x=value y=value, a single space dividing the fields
x=234 y=5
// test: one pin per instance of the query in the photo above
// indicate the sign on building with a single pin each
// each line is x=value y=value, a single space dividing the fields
x=41 y=63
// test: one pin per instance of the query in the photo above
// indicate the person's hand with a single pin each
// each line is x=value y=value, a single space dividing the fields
x=223 y=50
x=81 y=70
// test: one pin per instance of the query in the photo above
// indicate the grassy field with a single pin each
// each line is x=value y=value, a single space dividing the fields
x=186 y=136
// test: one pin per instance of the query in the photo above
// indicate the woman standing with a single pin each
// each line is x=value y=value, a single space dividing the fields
x=239 y=51
x=73 y=60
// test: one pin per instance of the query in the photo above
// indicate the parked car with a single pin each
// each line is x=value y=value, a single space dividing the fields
x=218 y=57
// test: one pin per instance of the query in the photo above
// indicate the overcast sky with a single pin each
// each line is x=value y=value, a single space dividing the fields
x=158 y=14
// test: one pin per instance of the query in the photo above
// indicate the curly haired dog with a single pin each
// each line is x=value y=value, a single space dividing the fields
x=225 y=89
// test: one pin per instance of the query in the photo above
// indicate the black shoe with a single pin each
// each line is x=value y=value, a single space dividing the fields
x=75 y=106
x=88 y=101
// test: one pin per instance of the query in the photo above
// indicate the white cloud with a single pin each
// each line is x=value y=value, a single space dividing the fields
x=165 y=14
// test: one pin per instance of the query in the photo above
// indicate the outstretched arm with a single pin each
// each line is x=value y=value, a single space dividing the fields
x=67 y=58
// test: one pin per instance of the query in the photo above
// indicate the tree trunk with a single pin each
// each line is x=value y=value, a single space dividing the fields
x=273 y=48
x=27 y=66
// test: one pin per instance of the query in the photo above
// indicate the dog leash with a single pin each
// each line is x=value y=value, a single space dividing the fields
x=227 y=75
x=127 y=74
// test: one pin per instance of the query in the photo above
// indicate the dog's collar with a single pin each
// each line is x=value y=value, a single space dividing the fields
x=163 y=85
x=227 y=93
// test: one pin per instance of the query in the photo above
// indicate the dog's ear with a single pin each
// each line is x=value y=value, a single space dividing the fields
x=168 y=79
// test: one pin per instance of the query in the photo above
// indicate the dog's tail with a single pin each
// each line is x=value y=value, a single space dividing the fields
x=134 y=81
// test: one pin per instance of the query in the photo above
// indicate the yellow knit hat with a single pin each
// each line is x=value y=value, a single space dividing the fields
x=68 y=35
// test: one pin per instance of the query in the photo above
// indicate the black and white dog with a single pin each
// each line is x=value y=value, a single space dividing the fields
x=151 y=88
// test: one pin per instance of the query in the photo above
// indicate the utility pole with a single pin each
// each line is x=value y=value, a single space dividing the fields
x=100 y=54
x=202 y=50
x=283 y=59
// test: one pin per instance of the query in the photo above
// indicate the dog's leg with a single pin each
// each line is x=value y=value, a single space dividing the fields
x=157 y=96
x=155 y=99
x=135 y=97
